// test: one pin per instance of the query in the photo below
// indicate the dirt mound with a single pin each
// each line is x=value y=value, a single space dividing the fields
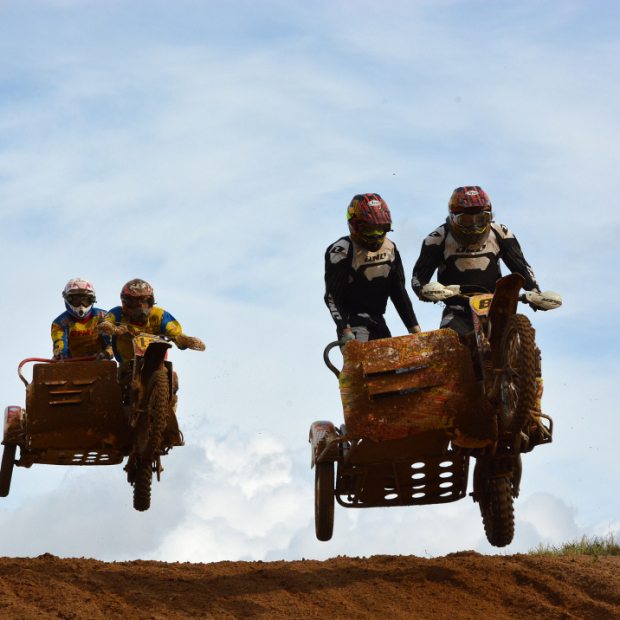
x=460 y=585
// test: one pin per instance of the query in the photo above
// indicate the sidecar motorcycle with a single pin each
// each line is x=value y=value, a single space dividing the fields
x=417 y=408
x=87 y=412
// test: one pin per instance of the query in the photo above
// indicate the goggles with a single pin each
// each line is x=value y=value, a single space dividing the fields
x=80 y=299
x=138 y=302
x=372 y=231
x=472 y=220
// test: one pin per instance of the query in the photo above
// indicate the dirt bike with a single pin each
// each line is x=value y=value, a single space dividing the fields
x=418 y=407
x=149 y=400
x=508 y=363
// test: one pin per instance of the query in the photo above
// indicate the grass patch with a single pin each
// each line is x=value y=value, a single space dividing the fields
x=597 y=545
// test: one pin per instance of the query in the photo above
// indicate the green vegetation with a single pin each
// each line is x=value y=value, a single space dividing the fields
x=597 y=545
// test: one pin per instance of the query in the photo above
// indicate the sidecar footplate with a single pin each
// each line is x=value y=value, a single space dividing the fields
x=422 y=480
x=71 y=457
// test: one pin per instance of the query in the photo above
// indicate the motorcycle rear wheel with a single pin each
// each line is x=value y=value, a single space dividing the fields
x=518 y=379
x=497 y=510
x=324 y=500
x=6 y=470
x=158 y=405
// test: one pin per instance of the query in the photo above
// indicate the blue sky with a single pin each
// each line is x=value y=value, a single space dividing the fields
x=212 y=148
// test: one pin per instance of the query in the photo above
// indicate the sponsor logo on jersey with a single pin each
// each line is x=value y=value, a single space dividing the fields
x=375 y=258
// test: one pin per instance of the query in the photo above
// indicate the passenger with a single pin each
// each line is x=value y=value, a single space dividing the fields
x=465 y=250
x=139 y=314
x=73 y=332
x=362 y=271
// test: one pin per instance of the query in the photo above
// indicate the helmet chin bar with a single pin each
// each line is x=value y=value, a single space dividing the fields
x=368 y=244
x=79 y=312
x=137 y=314
x=475 y=237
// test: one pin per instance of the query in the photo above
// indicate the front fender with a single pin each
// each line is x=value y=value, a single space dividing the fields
x=154 y=357
x=504 y=305
x=323 y=442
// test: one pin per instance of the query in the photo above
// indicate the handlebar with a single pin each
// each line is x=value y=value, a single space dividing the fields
x=182 y=341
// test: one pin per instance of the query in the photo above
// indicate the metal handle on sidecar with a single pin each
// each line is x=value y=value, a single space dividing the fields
x=45 y=360
x=328 y=363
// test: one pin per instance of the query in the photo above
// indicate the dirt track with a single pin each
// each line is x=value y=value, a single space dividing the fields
x=462 y=585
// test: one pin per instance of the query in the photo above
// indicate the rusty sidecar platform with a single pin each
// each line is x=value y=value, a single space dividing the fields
x=73 y=416
x=413 y=410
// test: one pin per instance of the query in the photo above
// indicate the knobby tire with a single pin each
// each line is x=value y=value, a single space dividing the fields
x=6 y=469
x=324 y=500
x=158 y=405
x=497 y=510
x=518 y=383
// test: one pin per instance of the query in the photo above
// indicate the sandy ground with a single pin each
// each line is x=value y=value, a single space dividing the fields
x=462 y=585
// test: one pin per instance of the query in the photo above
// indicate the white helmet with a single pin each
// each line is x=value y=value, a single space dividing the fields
x=79 y=296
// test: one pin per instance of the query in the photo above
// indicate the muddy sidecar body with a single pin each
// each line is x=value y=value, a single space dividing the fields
x=413 y=413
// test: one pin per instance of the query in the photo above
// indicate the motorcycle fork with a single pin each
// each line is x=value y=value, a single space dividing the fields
x=484 y=354
x=506 y=465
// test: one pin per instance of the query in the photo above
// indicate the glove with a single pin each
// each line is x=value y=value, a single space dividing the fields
x=347 y=335
x=105 y=328
x=434 y=291
x=189 y=342
x=547 y=300
x=106 y=354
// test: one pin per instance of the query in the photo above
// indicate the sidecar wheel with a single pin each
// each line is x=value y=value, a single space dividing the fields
x=142 y=484
x=518 y=380
x=324 y=500
x=6 y=470
x=497 y=510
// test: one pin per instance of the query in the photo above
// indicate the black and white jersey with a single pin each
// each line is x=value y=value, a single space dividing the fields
x=359 y=282
x=479 y=266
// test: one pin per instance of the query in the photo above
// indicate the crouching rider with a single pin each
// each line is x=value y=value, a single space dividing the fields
x=138 y=314
x=362 y=271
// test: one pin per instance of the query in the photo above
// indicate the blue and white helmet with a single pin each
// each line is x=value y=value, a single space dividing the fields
x=79 y=296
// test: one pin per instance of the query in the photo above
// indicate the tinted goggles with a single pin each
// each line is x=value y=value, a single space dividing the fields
x=373 y=230
x=80 y=299
x=472 y=220
x=138 y=302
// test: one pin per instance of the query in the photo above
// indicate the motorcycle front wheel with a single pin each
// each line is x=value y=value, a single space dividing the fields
x=518 y=378
x=158 y=405
x=497 y=510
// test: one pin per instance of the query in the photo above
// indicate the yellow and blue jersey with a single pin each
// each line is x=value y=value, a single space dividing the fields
x=159 y=322
x=73 y=337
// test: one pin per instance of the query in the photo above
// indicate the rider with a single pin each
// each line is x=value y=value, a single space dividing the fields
x=73 y=332
x=465 y=250
x=363 y=270
x=138 y=313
